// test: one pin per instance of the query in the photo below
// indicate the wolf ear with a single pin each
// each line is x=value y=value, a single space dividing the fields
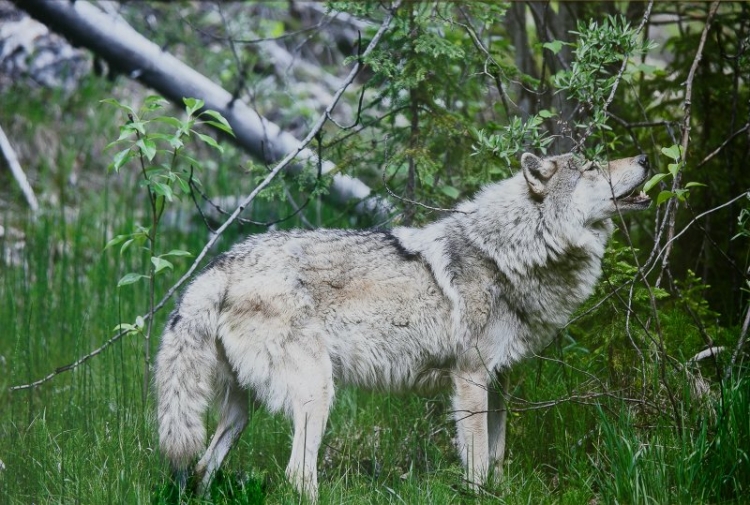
x=537 y=171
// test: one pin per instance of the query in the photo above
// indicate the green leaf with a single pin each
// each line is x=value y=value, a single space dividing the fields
x=126 y=245
x=129 y=328
x=654 y=181
x=663 y=197
x=147 y=147
x=220 y=122
x=546 y=114
x=137 y=125
x=154 y=102
x=450 y=192
x=192 y=105
x=125 y=132
x=192 y=161
x=673 y=169
x=682 y=194
x=209 y=140
x=162 y=189
x=112 y=101
x=674 y=152
x=276 y=29
x=115 y=241
x=130 y=279
x=695 y=185
x=183 y=184
x=171 y=121
x=177 y=252
x=175 y=142
x=553 y=46
x=120 y=159
x=160 y=264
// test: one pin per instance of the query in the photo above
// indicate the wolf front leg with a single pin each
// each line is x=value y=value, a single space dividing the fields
x=497 y=418
x=470 y=411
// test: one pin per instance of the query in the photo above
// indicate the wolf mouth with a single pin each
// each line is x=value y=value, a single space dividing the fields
x=633 y=198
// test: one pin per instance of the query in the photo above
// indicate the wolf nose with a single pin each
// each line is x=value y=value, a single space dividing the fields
x=642 y=160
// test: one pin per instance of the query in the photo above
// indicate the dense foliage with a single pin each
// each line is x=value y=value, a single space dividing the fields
x=622 y=408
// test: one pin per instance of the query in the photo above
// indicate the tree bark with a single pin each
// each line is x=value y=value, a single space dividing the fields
x=115 y=41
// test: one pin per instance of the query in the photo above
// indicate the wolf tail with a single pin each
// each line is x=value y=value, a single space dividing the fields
x=186 y=364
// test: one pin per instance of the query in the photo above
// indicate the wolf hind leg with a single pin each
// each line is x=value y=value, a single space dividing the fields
x=310 y=392
x=232 y=422
x=470 y=411
x=497 y=418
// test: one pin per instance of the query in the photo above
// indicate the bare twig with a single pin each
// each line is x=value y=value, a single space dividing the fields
x=317 y=127
x=670 y=213
x=591 y=399
x=413 y=202
x=611 y=97
x=479 y=45
x=668 y=245
x=15 y=167
x=716 y=151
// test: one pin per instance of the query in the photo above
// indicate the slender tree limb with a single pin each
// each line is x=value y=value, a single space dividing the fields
x=716 y=151
x=18 y=174
x=283 y=164
x=667 y=247
x=670 y=214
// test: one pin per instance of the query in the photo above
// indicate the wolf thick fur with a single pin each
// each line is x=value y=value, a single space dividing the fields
x=290 y=315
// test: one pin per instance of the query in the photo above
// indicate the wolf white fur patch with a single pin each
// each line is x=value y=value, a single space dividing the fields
x=289 y=316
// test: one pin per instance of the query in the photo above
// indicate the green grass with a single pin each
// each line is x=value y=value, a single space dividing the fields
x=87 y=436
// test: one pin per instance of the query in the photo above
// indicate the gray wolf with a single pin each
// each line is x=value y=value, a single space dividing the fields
x=289 y=316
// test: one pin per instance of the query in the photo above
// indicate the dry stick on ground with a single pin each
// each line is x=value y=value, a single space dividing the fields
x=219 y=231
x=15 y=167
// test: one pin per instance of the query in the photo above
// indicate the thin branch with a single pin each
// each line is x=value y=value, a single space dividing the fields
x=581 y=399
x=670 y=213
x=611 y=97
x=317 y=127
x=668 y=245
x=413 y=202
x=716 y=151
x=478 y=44
x=257 y=40
x=638 y=124
x=222 y=212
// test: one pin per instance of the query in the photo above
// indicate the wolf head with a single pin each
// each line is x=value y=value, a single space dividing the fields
x=585 y=189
